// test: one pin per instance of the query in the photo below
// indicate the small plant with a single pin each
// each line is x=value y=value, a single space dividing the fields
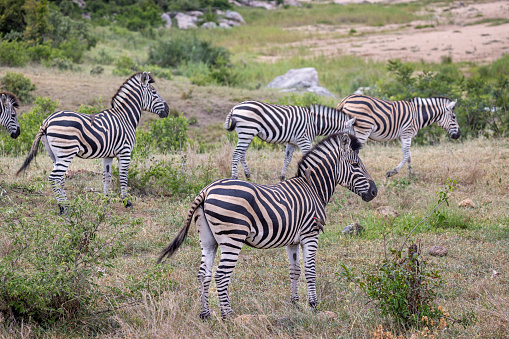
x=125 y=66
x=18 y=84
x=169 y=134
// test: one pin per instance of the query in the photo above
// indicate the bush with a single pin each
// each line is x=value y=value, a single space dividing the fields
x=50 y=268
x=29 y=123
x=169 y=134
x=18 y=84
x=125 y=66
x=13 y=53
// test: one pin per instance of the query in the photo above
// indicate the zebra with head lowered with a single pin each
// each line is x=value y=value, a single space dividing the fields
x=229 y=213
x=293 y=125
x=384 y=120
x=8 y=117
x=108 y=134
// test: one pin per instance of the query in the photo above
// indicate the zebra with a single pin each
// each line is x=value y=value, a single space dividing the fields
x=384 y=120
x=107 y=134
x=293 y=125
x=229 y=213
x=8 y=117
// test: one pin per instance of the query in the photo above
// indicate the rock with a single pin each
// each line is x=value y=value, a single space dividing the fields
x=362 y=90
x=230 y=22
x=224 y=25
x=466 y=203
x=258 y=4
x=437 y=251
x=195 y=13
x=80 y=3
x=234 y=16
x=245 y=319
x=296 y=78
x=353 y=229
x=387 y=211
x=185 y=21
x=494 y=274
x=292 y=3
x=86 y=16
x=167 y=19
x=209 y=25
x=320 y=91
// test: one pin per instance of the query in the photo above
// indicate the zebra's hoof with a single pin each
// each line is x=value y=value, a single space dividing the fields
x=390 y=173
x=282 y=177
x=204 y=315
x=248 y=176
x=294 y=300
x=62 y=210
x=312 y=304
x=128 y=204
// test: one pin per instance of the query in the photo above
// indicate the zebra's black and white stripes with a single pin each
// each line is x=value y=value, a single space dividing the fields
x=107 y=134
x=290 y=125
x=8 y=117
x=229 y=213
x=384 y=120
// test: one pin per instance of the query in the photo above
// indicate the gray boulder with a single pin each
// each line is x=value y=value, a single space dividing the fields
x=234 y=16
x=296 y=78
x=224 y=25
x=320 y=91
x=209 y=25
x=185 y=21
x=293 y=3
x=167 y=19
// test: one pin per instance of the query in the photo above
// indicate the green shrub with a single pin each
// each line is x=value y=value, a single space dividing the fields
x=169 y=134
x=29 y=123
x=40 y=52
x=62 y=63
x=50 y=269
x=13 y=53
x=18 y=84
x=125 y=66
x=96 y=70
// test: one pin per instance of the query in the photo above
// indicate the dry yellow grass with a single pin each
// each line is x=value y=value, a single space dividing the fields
x=260 y=283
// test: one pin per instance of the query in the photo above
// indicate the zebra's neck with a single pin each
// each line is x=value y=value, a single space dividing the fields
x=429 y=110
x=127 y=101
x=327 y=120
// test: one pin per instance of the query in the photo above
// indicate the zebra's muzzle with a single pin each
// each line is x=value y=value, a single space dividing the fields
x=165 y=112
x=371 y=193
x=16 y=134
x=455 y=135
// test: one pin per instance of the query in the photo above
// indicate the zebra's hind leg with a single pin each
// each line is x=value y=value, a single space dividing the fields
x=230 y=249
x=123 y=167
x=208 y=249
x=293 y=258
x=309 y=252
x=107 y=162
x=247 y=172
x=405 y=147
x=240 y=153
x=57 y=180
x=288 y=157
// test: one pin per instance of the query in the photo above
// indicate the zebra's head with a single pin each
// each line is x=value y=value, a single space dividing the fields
x=8 y=116
x=448 y=121
x=151 y=100
x=353 y=173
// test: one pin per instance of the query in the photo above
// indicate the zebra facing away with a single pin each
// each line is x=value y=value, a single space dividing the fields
x=384 y=120
x=229 y=213
x=107 y=134
x=8 y=117
x=290 y=125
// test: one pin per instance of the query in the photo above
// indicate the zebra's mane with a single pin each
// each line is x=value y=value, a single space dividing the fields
x=323 y=147
x=414 y=99
x=121 y=88
x=14 y=99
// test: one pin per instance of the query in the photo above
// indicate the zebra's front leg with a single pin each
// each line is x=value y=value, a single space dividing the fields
x=308 y=253
x=229 y=255
x=123 y=167
x=405 y=148
x=288 y=157
x=208 y=249
x=293 y=258
x=107 y=162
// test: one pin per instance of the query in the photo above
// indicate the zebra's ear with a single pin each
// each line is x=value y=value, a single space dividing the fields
x=450 y=107
x=3 y=98
x=145 y=78
x=344 y=142
x=349 y=124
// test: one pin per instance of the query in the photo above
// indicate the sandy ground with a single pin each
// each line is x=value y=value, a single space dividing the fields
x=456 y=33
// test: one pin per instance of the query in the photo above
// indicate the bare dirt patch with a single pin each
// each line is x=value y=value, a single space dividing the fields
x=477 y=32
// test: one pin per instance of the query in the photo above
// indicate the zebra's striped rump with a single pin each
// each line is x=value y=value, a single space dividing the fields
x=8 y=117
x=108 y=134
x=230 y=213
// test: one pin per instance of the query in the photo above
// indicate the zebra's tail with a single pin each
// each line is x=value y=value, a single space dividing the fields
x=35 y=146
x=175 y=244
x=229 y=123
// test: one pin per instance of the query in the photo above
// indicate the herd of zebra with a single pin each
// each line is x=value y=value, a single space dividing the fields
x=230 y=212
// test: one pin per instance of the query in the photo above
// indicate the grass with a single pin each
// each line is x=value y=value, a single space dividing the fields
x=476 y=240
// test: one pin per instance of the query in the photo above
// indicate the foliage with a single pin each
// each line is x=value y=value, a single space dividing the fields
x=125 y=66
x=305 y=99
x=49 y=272
x=38 y=26
x=12 y=16
x=403 y=287
x=18 y=84
x=169 y=134
x=186 y=48
x=141 y=15
x=13 y=53
x=29 y=123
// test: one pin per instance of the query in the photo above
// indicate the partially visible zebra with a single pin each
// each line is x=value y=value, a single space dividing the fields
x=8 y=117
x=229 y=213
x=107 y=134
x=384 y=120
x=290 y=125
